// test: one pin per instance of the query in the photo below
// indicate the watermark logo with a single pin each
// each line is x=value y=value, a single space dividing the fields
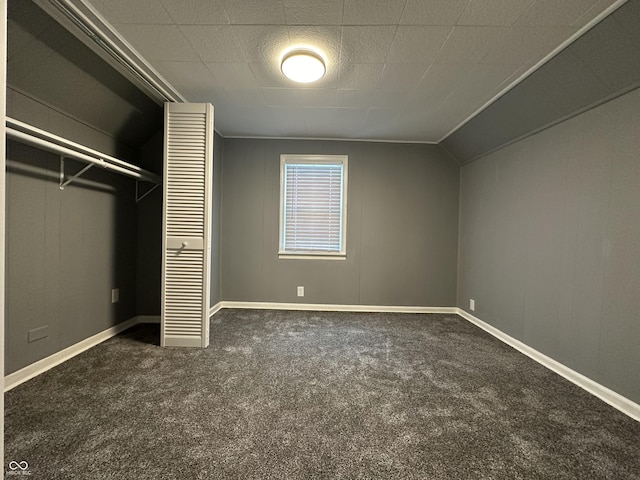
x=18 y=468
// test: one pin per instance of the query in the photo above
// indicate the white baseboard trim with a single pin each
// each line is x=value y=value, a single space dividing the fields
x=215 y=309
x=605 y=394
x=322 y=307
x=20 y=376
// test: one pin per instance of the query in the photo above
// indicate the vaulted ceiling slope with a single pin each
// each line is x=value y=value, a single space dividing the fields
x=599 y=66
x=401 y=70
x=49 y=66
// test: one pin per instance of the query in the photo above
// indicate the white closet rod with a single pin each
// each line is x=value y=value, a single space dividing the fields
x=31 y=135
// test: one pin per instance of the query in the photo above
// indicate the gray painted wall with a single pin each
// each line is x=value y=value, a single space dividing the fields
x=49 y=63
x=216 y=215
x=149 y=235
x=34 y=111
x=66 y=250
x=401 y=234
x=549 y=242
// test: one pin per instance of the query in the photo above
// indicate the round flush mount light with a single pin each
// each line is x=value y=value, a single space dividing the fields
x=303 y=66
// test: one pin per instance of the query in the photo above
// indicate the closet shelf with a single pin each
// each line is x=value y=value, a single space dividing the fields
x=28 y=134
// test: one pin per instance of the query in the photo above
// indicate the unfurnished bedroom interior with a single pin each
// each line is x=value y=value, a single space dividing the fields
x=301 y=239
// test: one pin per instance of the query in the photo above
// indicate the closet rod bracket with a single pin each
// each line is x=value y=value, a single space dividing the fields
x=63 y=182
x=140 y=197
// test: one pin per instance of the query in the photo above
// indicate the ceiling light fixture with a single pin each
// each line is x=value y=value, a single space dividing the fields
x=303 y=66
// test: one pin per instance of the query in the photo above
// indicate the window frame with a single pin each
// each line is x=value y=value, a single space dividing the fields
x=298 y=159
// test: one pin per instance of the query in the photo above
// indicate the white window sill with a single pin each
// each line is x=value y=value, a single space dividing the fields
x=310 y=256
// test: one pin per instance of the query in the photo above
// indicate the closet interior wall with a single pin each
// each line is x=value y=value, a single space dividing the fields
x=66 y=250
x=149 y=236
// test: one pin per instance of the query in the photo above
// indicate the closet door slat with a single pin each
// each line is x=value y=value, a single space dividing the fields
x=188 y=167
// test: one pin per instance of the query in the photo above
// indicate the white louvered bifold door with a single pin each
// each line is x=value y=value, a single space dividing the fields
x=188 y=166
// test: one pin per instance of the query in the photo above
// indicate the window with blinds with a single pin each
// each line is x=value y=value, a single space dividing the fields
x=313 y=205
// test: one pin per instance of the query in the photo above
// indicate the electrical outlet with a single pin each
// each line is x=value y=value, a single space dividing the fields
x=472 y=304
x=115 y=295
x=301 y=291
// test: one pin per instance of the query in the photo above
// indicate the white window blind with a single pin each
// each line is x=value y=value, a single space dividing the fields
x=313 y=204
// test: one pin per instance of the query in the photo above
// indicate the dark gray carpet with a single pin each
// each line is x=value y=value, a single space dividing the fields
x=315 y=395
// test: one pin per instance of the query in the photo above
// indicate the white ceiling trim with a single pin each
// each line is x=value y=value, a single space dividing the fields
x=336 y=139
x=605 y=13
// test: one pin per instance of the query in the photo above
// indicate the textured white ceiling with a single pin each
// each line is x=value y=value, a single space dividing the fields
x=405 y=70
